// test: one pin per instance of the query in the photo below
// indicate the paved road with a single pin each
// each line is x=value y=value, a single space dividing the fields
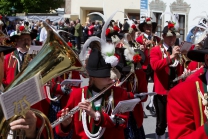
x=150 y=122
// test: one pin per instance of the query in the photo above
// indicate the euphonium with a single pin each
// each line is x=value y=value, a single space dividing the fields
x=54 y=59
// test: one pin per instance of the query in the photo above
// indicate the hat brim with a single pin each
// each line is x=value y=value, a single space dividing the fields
x=197 y=55
x=154 y=26
x=6 y=50
x=33 y=35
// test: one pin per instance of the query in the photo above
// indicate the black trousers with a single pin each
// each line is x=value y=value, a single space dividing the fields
x=149 y=73
x=160 y=102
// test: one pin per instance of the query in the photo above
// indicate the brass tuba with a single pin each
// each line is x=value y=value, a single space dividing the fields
x=54 y=59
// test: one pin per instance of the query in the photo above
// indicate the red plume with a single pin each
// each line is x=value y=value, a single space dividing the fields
x=133 y=26
x=21 y=28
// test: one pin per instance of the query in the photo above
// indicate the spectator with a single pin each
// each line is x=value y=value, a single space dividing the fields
x=78 y=34
x=91 y=29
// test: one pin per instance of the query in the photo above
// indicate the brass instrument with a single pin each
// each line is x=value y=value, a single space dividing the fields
x=54 y=59
x=186 y=61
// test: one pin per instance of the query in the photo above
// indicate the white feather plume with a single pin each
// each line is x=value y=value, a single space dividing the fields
x=113 y=60
x=100 y=14
x=108 y=48
x=108 y=51
x=85 y=46
x=1 y=23
x=129 y=54
x=130 y=22
x=103 y=37
x=174 y=19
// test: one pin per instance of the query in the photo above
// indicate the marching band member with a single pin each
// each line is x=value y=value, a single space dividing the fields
x=99 y=72
x=162 y=58
x=29 y=123
x=147 y=40
x=13 y=61
x=136 y=83
x=187 y=103
x=47 y=106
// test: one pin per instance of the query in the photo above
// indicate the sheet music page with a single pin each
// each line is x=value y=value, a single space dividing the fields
x=21 y=97
x=185 y=46
x=125 y=106
x=73 y=82
x=34 y=49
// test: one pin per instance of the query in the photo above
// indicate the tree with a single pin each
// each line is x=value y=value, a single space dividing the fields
x=29 y=6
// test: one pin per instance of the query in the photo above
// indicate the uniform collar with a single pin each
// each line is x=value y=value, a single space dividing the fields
x=165 y=46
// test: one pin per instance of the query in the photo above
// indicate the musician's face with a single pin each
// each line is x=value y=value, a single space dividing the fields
x=101 y=83
x=148 y=29
x=169 y=40
x=1 y=66
x=23 y=40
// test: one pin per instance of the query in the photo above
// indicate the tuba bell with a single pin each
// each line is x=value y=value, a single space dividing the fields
x=54 y=59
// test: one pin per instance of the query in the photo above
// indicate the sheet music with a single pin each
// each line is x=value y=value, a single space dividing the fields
x=24 y=95
x=185 y=46
x=125 y=106
x=72 y=82
x=34 y=49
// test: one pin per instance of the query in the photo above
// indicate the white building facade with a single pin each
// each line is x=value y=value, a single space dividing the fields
x=82 y=8
x=186 y=9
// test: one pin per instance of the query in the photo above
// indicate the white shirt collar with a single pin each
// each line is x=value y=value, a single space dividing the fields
x=97 y=103
x=165 y=46
x=20 y=51
x=146 y=36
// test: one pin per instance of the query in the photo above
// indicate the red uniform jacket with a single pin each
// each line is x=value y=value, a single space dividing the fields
x=185 y=111
x=161 y=69
x=142 y=87
x=140 y=40
x=11 y=67
x=44 y=105
x=193 y=65
x=111 y=131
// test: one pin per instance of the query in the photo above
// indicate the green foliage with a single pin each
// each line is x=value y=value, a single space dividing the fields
x=29 y=6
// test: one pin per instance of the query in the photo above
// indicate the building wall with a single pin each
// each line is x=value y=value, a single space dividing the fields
x=196 y=8
x=83 y=7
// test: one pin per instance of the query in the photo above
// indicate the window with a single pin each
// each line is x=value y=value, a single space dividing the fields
x=134 y=16
x=182 y=26
x=158 y=20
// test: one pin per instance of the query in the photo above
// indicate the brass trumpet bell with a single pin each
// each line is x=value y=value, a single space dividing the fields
x=54 y=59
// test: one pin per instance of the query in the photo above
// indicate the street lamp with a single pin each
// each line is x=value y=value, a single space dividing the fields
x=13 y=10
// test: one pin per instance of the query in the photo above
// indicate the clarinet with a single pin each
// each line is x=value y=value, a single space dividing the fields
x=183 y=76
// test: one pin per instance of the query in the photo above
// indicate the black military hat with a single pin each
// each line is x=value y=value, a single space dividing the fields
x=147 y=21
x=96 y=65
x=6 y=49
x=198 y=55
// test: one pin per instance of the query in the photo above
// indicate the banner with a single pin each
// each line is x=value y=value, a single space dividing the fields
x=143 y=9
